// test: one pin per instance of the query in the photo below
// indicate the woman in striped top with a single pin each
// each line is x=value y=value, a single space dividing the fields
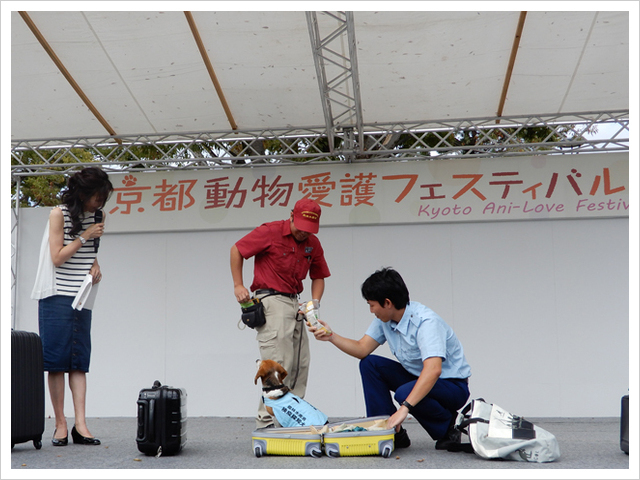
x=73 y=240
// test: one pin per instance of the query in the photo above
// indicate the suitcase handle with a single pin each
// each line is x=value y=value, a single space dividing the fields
x=151 y=417
x=146 y=430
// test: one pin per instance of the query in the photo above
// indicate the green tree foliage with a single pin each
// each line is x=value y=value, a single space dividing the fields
x=45 y=190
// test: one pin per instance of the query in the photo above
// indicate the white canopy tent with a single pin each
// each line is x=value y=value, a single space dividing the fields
x=117 y=77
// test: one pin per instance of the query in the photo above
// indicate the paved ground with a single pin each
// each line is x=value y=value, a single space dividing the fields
x=216 y=443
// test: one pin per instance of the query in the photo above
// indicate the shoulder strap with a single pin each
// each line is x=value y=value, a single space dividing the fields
x=462 y=426
x=467 y=419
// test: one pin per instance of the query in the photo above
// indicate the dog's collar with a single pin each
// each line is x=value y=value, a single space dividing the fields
x=270 y=389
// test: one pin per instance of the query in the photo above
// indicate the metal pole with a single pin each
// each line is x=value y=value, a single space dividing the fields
x=316 y=48
x=14 y=252
x=355 y=80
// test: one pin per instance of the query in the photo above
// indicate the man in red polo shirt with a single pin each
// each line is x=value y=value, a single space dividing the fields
x=285 y=252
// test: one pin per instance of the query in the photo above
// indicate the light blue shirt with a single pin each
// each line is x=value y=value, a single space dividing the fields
x=419 y=335
x=293 y=411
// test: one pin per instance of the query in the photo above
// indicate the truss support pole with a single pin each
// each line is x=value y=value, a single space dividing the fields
x=334 y=53
x=15 y=215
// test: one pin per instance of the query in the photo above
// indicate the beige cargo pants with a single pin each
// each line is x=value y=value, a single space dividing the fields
x=284 y=340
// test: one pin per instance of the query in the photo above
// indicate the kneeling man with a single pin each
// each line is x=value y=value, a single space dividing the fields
x=431 y=375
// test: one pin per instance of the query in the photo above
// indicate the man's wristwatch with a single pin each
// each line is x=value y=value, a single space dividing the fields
x=82 y=239
x=407 y=404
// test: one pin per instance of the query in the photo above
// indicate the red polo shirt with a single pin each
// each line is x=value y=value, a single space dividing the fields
x=281 y=263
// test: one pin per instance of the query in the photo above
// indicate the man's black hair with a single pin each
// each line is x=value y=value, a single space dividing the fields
x=383 y=284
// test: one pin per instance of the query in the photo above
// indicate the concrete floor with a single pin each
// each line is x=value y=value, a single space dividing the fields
x=216 y=443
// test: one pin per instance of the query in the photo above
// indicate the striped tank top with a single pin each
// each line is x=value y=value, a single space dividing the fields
x=70 y=275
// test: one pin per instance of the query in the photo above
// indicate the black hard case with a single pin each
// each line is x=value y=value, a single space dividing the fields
x=162 y=420
x=624 y=425
x=27 y=388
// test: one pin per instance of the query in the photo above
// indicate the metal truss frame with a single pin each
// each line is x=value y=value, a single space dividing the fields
x=337 y=74
x=15 y=210
x=422 y=140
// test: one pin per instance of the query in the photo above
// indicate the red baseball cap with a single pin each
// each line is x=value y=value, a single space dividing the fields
x=306 y=215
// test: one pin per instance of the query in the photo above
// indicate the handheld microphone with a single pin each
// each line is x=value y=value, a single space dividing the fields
x=96 y=241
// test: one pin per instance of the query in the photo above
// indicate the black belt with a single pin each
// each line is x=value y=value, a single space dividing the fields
x=269 y=291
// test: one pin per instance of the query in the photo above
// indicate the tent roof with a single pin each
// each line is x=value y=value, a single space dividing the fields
x=143 y=72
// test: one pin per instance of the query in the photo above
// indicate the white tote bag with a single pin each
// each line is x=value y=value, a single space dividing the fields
x=497 y=434
x=45 y=284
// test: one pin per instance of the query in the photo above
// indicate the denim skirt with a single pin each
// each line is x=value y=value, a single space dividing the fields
x=65 y=334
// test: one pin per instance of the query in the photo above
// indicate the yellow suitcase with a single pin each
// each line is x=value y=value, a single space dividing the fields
x=294 y=441
x=339 y=443
x=331 y=439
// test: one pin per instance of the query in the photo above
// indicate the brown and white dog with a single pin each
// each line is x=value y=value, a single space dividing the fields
x=290 y=410
x=272 y=375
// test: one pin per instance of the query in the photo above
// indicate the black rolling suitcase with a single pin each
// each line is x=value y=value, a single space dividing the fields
x=624 y=425
x=162 y=420
x=27 y=388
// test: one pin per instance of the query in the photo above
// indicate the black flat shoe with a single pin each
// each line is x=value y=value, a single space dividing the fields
x=59 y=442
x=77 y=438
x=401 y=439
x=452 y=440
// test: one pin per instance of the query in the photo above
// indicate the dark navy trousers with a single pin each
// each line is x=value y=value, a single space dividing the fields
x=381 y=376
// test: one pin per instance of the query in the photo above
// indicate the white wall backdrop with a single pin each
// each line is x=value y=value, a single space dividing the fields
x=541 y=307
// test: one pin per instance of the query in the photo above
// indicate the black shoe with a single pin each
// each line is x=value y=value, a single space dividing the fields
x=77 y=438
x=401 y=439
x=452 y=442
x=460 y=447
x=59 y=442
x=452 y=438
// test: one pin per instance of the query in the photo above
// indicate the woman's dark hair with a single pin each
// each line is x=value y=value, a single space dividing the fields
x=81 y=187
x=383 y=284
